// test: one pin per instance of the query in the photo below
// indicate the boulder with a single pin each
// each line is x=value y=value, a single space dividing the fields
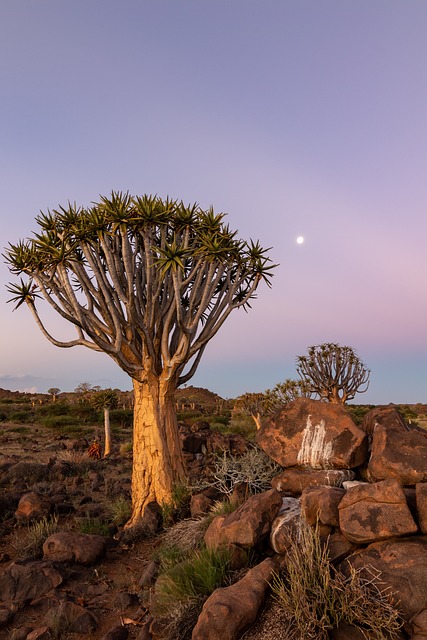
x=372 y=512
x=398 y=454
x=421 y=498
x=247 y=525
x=21 y=582
x=293 y=481
x=229 y=611
x=285 y=524
x=320 y=504
x=339 y=547
x=384 y=416
x=419 y=625
x=67 y=546
x=402 y=567
x=313 y=434
x=32 y=506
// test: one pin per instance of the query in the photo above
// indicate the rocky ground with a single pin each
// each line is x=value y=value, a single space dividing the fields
x=110 y=588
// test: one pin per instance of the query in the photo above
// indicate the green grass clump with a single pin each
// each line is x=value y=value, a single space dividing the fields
x=178 y=507
x=192 y=579
x=93 y=525
x=315 y=598
x=119 y=511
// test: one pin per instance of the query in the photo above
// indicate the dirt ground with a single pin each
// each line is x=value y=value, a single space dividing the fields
x=100 y=587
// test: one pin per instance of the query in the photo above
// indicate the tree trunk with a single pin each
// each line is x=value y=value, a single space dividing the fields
x=158 y=462
x=107 y=432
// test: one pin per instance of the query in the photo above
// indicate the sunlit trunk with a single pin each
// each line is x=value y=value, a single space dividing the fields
x=158 y=463
x=107 y=432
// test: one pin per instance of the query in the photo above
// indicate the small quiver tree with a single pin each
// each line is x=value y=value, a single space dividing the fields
x=148 y=282
x=105 y=400
x=333 y=373
x=54 y=392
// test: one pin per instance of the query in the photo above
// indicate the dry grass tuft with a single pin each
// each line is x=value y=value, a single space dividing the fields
x=316 y=599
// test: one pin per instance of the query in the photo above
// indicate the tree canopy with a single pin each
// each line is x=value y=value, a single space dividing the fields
x=145 y=280
x=333 y=372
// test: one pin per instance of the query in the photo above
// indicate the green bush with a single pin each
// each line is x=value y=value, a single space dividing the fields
x=191 y=579
x=57 y=421
x=53 y=409
x=121 y=418
x=21 y=416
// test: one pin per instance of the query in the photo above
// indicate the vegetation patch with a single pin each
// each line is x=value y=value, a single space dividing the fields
x=28 y=544
x=315 y=598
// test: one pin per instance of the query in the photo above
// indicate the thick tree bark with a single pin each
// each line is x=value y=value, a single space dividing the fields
x=158 y=463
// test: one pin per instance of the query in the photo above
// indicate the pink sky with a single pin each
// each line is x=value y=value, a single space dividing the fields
x=297 y=118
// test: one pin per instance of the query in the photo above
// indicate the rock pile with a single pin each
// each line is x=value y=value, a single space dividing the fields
x=365 y=488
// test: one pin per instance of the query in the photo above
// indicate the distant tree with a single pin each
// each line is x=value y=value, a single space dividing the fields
x=105 y=400
x=332 y=372
x=260 y=405
x=54 y=392
x=84 y=390
x=285 y=392
x=253 y=405
x=150 y=283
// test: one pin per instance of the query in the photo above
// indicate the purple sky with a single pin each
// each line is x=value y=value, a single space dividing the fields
x=296 y=118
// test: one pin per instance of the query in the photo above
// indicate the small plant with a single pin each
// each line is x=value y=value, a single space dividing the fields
x=315 y=598
x=29 y=544
x=193 y=579
x=183 y=537
x=254 y=467
x=125 y=447
x=178 y=507
x=93 y=525
x=119 y=511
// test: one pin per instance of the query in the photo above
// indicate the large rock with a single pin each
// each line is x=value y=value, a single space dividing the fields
x=32 y=506
x=21 y=582
x=421 y=498
x=371 y=512
x=398 y=454
x=248 y=524
x=66 y=546
x=229 y=611
x=294 y=481
x=313 y=434
x=402 y=567
x=285 y=524
x=320 y=504
x=384 y=416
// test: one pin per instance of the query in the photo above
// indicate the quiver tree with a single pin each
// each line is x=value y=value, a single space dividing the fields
x=253 y=405
x=259 y=405
x=148 y=282
x=285 y=392
x=53 y=391
x=332 y=372
x=105 y=400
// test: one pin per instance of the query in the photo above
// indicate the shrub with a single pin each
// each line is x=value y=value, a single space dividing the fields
x=179 y=506
x=119 y=510
x=192 y=579
x=29 y=544
x=95 y=526
x=21 y=416
x=254 y=467
x=315 y=599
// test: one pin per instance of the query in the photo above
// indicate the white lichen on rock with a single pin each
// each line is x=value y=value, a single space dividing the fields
x=315 y=452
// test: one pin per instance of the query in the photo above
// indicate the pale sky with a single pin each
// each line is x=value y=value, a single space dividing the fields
x=297 y=118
